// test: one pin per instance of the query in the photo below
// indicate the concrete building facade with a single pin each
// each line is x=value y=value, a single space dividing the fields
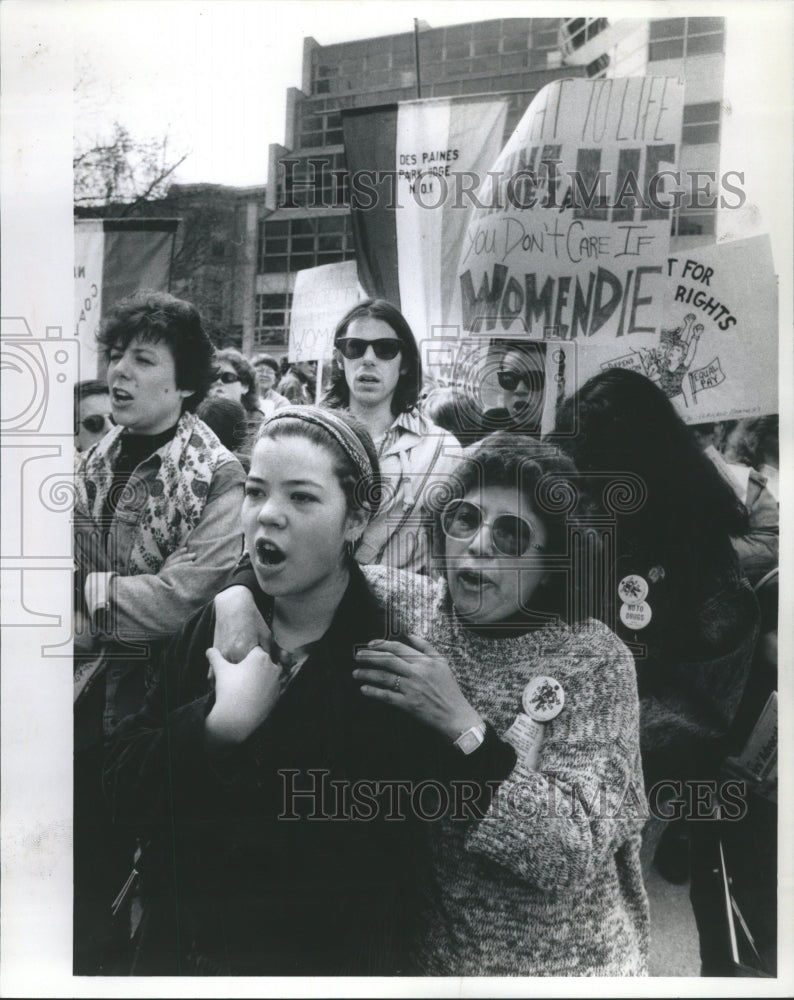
x=305 y=219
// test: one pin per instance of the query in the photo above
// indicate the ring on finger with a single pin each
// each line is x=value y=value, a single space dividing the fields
x=396 y=685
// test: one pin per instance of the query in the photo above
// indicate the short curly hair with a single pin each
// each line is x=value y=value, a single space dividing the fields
x=549 y=481
x=160 y=317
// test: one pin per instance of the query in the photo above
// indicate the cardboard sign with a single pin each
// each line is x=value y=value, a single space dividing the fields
x=322 y=297
x=716 y=355
x=574 y=232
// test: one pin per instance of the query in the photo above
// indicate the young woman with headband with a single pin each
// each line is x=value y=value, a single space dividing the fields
x=539 y=872
x=254 y=861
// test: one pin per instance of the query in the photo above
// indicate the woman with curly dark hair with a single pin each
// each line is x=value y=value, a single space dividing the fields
x=157 y=529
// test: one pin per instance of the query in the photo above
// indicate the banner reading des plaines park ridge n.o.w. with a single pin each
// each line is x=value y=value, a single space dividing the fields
x=573 y=231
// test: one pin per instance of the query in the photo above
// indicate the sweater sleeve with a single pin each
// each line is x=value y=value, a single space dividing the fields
x=556 y=825
x=154 y=605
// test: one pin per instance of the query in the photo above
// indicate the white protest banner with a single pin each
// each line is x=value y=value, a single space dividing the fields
x=574 y=229
x=89 y=257
x=409 y=230
x=112 y=259
x=717 y=355
x=439 y=143
x=322 y=296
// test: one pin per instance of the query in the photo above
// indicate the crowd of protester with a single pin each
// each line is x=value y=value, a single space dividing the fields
x=373 y=677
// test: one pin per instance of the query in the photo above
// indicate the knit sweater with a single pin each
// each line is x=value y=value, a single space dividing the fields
x=536 y=887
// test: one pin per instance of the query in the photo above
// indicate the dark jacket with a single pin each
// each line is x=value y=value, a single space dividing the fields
x=232 y=885
x=692 y=660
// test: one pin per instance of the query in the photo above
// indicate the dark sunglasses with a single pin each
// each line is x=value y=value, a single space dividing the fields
x=512 y=535
x=227 y=378
x=96 y=422
x=353 y=348
x=509 y=379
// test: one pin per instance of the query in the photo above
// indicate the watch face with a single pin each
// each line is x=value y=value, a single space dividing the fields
x=469 y=741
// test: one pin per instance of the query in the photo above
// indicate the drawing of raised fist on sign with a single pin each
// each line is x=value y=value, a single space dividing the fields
x=678 y=348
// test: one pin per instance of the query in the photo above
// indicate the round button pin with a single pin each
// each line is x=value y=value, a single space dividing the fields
x=543 y=699
x=636 y=616
x=632 y=589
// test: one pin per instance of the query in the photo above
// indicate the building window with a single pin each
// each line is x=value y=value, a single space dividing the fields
x=320 y=129
x=286 y=245
x=694 y=222
x=580 y=30
x=313 y=181
x=546 y=35
x=679 y=37
x=701 y=123
x=271 y=319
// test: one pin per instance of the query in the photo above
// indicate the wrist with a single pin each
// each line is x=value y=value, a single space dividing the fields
x=471 y=739
x=222 y=728
x=462 y=722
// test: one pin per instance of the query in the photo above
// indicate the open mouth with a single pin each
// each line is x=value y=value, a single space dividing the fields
x=473 y=579
x=268 y=553
x=369 y=379
x=120 y=395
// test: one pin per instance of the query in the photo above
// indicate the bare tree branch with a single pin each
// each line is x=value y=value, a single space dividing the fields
x=158 y=180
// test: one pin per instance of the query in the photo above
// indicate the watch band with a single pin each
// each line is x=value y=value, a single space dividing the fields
x=471 y=739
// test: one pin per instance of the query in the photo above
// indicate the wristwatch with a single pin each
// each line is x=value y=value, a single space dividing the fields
x=470 y=739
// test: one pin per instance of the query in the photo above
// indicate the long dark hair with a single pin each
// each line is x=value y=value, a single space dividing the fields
x=687 y=512
x=409 y=384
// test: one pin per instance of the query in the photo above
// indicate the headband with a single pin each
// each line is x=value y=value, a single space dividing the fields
x=344 y=435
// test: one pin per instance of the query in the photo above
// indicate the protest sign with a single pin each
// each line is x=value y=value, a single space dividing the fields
x=322 y=296
x=572 y=230
x=112 y=259
x=716 y=355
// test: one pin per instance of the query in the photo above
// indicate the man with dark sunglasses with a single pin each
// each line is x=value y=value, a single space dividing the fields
x=376 y=375
x=92 y=416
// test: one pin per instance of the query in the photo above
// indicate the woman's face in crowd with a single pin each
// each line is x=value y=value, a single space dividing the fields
x=526 y=399
x=372 y=380
x=143 y=393
x=96 y=413
x=487 y=586
x=295 y=516
x=266 y=378
x=227 y=385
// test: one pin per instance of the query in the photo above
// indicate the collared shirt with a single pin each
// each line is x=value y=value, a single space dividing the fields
x=414 y=455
